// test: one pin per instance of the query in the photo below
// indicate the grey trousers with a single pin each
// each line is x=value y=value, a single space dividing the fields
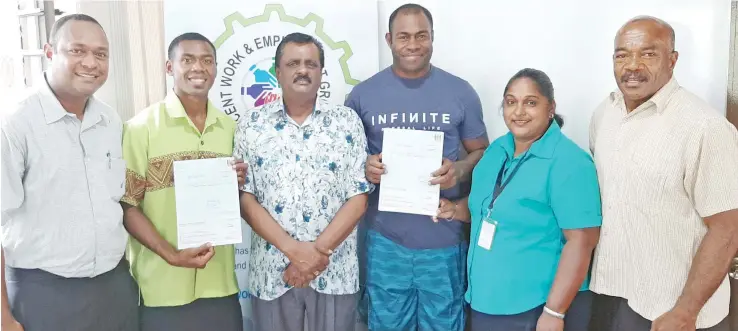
x=324 y=312
x=42 y=301
x=614 y=314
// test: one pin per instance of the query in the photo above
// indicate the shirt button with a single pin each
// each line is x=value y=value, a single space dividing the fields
x=202 y=142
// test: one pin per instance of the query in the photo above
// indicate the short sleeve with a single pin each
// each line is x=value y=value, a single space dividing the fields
x=13 y=168
x=594 y=122
x=710 y=180
x=472 y=126
x=240 y=151
x=592 y=132
x=356 y=182
x=352 y=101
x=136 y=155
x=575 y=193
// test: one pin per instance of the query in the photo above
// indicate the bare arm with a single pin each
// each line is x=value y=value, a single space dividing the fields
x=9 y=323
x=576 y=204
x=141 y=228
x=7 y=315
x=573 y=267
x=711 y=263
x=713 y=191
x=451 y=173
x=475 y=149
x=342 y=224
x=473 y=134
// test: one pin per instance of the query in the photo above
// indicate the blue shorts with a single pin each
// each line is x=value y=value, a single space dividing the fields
x=415 y=289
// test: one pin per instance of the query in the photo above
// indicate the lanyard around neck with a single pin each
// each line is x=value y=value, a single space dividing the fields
x=499 y=184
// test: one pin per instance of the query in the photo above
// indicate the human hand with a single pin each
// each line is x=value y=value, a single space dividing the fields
x=675 y=320
x=306 y=257
x=195 y=257
x=375 y=168
x=446 y=210
x=549 y=323
x=446 y=175
x=293 y=277
x=10 y=324
x=241 y=170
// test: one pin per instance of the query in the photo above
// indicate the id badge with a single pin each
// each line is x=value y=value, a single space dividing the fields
x=487 y=232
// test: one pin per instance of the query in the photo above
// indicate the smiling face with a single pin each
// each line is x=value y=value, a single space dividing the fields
x=192 y=67
x=411 y=43
x=526 y=111
x=299 y=71
x=78 y=59
x=643 y=61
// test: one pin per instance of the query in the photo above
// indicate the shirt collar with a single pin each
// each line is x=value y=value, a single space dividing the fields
x=660 y=99
x=54 y=111
x=544 y=147
x=175 y=109
x=278 y=105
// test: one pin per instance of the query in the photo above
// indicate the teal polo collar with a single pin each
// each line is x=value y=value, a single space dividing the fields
x=543 y=147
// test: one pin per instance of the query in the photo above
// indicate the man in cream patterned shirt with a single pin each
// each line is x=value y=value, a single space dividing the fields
x=665 y=163
x=304 y=194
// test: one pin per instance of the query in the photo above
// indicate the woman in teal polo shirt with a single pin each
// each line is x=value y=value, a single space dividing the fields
x=535 y=214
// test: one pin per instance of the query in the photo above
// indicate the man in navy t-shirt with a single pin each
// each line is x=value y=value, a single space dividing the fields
x=415 y=266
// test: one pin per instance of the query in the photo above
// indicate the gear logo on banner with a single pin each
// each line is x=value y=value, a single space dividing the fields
x=246 y=75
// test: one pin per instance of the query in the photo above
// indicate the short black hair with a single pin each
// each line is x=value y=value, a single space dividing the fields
x=545 y=87
x=300 y=39
x=410 y=8
x=187 y=36
x=62 y=21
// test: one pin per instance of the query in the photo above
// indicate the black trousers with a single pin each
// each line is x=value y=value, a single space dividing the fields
x=577 y=317
x=614 y=314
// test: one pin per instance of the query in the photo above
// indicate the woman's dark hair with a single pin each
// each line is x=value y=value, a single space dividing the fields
x=544 y=84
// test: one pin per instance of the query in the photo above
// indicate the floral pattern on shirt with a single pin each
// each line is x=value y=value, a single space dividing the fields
x=302 y=175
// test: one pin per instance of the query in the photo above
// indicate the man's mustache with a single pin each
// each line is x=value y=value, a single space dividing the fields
x=301 y=78
x=633 y=75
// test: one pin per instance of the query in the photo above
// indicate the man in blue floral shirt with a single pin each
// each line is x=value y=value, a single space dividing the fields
x=304 y=194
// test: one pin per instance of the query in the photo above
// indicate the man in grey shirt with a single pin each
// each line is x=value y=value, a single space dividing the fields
x=62 y=178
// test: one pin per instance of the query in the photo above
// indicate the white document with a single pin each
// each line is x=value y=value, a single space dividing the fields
x=208 y=209
x=410 y=157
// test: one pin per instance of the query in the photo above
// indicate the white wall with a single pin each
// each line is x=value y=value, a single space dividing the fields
x=135 y=31
x=572 y=41
x=11 y=69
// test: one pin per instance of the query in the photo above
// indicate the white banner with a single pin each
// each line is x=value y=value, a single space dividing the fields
x=246 y=35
